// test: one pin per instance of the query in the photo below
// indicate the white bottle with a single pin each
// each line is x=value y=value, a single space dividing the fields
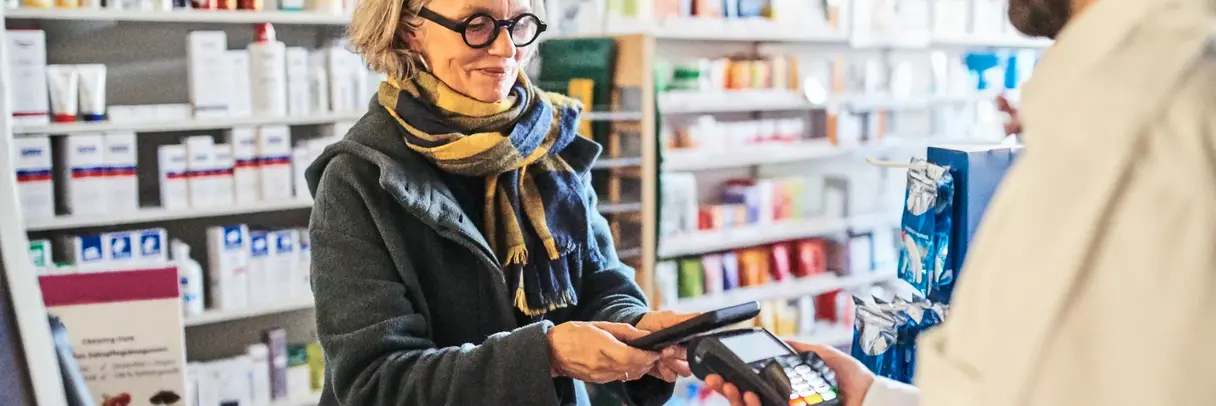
x=190 y=277
x=268 y=73
x=259 y=357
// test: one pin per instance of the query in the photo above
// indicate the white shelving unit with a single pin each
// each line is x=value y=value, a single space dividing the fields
x=789 y=289
x=721 y=240
x=219 y=316
x=186 y=125
x=180 y=16
x=769 y=153
x=148 y=215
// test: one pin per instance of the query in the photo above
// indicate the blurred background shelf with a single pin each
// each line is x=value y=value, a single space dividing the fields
x=180 y=16
x=720 y=240
x=186 y=125
x=220 y=316
x=789 y=289
x=147 y=215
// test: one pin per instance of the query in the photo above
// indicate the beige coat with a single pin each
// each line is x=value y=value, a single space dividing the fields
x=1092 y=280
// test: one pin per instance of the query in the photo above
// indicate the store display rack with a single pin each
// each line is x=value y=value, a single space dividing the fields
x=181 y=16
x=776 y=290
x=220 y=316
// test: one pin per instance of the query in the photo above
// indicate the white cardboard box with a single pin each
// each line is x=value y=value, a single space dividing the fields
x=174 y=187
x=121 y=160
x=246 y=175
x=84 y=183
x=27 y=77
x=205 y=55
x=274 y=161
x=200 y=161
x=35 y=182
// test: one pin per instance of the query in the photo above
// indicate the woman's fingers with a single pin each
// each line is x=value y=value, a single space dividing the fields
x=750 y=399
x=731 y=392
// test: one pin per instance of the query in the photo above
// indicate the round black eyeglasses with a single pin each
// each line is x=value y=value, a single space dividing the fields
x=480 y=30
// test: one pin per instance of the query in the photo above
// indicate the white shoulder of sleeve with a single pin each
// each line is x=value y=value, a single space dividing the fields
x=886 y=392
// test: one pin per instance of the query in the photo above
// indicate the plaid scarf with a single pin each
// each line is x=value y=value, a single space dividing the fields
x=531 y=195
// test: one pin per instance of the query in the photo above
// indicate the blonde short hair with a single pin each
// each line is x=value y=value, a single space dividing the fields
x=379 y=32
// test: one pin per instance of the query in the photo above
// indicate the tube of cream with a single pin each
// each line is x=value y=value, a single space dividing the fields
x=92 y=91
x=63 y=81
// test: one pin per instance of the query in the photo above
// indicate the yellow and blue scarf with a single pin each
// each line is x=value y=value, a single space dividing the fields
x=514 y=145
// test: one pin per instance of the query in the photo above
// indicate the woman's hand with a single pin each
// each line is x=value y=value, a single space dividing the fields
x=852 y=378
x=1013 y=125
x=594 y=352
x=674 y=361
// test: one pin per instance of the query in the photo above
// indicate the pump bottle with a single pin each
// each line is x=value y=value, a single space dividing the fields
x=190 y=279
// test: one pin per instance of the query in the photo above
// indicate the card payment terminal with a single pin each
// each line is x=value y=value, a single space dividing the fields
x=756 y=361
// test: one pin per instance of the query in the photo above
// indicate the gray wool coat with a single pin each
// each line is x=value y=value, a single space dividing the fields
x=412 y=307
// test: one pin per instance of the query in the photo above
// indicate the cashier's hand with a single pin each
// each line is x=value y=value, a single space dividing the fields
x=674 y=360
x=1014 y=125
x=595 y=352
x=852 y=378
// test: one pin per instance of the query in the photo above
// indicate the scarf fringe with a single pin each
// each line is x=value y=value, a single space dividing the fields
x=517 y=255
x=551 y=248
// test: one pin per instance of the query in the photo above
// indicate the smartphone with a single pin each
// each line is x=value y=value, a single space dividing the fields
x=703 y=323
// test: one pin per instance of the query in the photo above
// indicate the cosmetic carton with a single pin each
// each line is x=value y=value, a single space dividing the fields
x=236 y=387
x=200 y=162
x=228 y=259
x=276 y=342
x=84 y=181
x=318 y=80
x=88 y=252
x=344 y=84
x=259 y=362
x=300 y=159
x=261 y=274
x=27 y=77
x=240 y=101
x=274 y=161
x=286 y=259
x=222 y=176
x=152 y=247
x=174 y=187
x=35 y=184
x=299 y=102
x=208 y=72
x=303 y=270
x=40 y=256
x=267 y=74
x=122 y=185
x=246 y=172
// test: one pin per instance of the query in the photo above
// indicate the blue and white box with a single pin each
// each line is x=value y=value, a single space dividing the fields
x=35 y=184
x=90 y=252
x=84 y=183
x=228 y=259
x=977 y=172
x=261 y=265
x=286 y=260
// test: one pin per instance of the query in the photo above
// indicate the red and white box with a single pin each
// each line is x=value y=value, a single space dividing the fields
x=35 y=184
x=126 y=331
x=274 y=162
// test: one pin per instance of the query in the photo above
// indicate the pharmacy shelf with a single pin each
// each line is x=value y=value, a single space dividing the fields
x=180 y=16
x=759 y=154
x=148 y=215
x=612 y=116
x=788 y=289
x=700 y=242
x=833 y=336
x=313 y=399
x=733 y=30
x=882 y=218
x=685 y=102
x=220 y=316
x=185 y=125
x=990 y=41
x=617 y=208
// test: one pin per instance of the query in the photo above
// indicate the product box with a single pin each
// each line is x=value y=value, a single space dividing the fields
x=40 y=256
x=286 y=260
x=27 y=77
x=318 y=80
x=88 y=252
x=174 y=188
x=122 y=184
x=136 y=249
x=206 y=62
x=126 y=333
x=35 y=187
x=84 y=184
x=303 y=270
x=240 y=101
x=228 y=259
x=200 y=162
x=977 y=171
x=345 y=83
x=274 y=162
x=261 y=270
x=222 y=177
x=299 y=102
x=300 y=159
x=246 y=173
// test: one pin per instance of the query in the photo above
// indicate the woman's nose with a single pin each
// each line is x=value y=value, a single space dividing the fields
x=503 y=46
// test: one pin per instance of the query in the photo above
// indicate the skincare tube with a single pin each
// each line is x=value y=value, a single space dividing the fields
x=92 y=91
x=63 y=80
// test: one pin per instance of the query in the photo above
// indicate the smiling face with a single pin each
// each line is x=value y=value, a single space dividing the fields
x=485 y=74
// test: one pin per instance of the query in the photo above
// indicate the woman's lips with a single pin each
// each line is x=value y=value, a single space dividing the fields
x=495 y=72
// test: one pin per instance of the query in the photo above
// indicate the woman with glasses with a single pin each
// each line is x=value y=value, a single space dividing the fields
x=458 y=256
